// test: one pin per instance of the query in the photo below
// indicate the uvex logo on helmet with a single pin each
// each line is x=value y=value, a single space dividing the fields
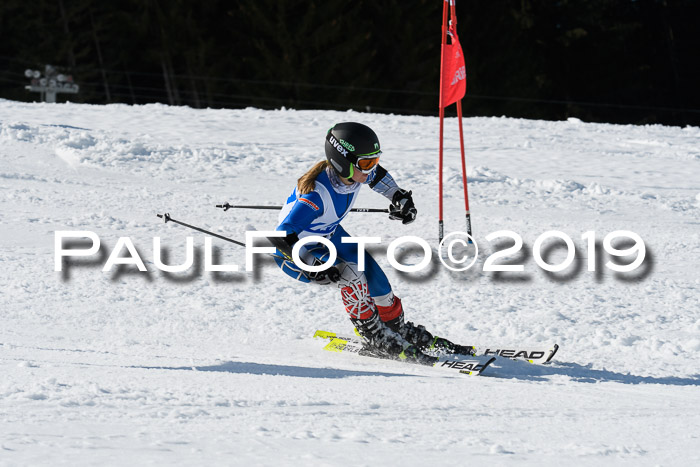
x=338 y=146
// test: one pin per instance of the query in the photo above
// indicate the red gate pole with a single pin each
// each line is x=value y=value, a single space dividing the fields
x=442 y=117
x=461 y=136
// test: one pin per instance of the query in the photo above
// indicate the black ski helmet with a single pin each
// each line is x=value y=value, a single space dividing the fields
x=345 y=142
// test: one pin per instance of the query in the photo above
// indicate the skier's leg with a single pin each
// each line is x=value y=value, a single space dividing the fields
x=378 y=285
x=389 y=307
x=390 y=310
x=357 y=292
x=291 y=269
x=353 y=285
x=309 y=254
x=354 y=292
x=364 y=316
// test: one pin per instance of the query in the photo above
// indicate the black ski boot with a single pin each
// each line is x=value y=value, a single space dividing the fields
x=390 y=344
x=418 y=336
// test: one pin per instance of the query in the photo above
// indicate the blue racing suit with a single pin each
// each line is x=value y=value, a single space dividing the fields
x=321 y=212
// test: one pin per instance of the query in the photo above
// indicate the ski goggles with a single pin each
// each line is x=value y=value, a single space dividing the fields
x=367 y=162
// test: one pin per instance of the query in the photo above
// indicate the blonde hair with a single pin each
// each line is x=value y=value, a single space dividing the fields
x=307 y=182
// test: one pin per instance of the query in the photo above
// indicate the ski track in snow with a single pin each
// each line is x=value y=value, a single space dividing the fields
x=122 y=367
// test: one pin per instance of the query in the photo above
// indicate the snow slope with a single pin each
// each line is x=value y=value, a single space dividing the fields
x=219 y=368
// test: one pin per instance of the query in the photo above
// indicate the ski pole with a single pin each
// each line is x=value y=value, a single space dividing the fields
x=227 y=206
x=167 y=219
x=275 y=241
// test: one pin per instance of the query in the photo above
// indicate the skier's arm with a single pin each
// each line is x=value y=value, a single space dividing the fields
x=402 y=207
x=382 y=182
x=307 y=208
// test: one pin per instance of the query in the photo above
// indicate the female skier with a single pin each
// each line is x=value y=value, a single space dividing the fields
x=322 y=198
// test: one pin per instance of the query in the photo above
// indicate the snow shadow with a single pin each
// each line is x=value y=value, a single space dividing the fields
x=512 y=369
x=279 y=370
x=70 y=262
x=521 y=258
x=71 y=127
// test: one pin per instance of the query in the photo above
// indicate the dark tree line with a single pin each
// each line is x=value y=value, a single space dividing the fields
x=598 y=60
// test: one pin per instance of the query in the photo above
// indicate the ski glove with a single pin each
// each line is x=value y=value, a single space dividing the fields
x=285 y=245
x=324 y=277
x=402 y=207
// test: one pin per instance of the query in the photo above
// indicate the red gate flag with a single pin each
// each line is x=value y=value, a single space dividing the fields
x=454 y=72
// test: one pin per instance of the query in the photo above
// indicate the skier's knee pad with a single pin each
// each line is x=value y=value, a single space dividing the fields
x=349 y=274
x=354 y=291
